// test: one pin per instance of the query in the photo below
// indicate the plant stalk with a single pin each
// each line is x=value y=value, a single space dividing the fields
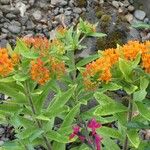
x=125 y=146
x=48 y=144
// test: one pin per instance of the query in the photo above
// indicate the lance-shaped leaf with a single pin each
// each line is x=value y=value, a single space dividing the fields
x=109 y=109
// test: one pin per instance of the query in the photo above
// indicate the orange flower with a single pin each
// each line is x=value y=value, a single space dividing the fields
x=57 y=67
x=15 y=58
x=40 y=44
x=6 y=65
x=39 y=72
x=61 y=30
x=146 y=62
x=132 y=48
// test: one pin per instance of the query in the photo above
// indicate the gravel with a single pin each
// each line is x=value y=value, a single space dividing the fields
x=139 y=14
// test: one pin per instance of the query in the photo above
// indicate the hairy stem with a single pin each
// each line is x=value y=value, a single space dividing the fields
x=125 y=146
x=48 y=144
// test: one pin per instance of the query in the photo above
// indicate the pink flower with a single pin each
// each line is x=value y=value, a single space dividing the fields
x=76 y=130
x=98 y=141
x=94 y=125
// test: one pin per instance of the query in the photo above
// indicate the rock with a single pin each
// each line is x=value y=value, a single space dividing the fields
x=139 y=14
x=2 y=36
x=145 y=38
x=21 y=7
x=134 y=34
x=58 y=2
x=1 y=14
x=37 y=15
x=4 y=30
x=5 y=2
x=8 y=9
x=14 y=27
x=77 y=10
x=131 y=8
x=147 y=20
x=2 y=131
x=31 y=2
x=126 y=3
x=68 y=13
x=30 y=25
x=24 y=19
x=129 y=17
x=115 y=4
x=3 y=43
x=10 y=16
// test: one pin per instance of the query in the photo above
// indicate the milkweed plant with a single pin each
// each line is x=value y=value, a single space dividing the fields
x=47 y=88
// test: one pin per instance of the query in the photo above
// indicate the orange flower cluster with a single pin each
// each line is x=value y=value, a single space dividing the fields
x=39 y=72
x=15 y=58
x=61 y=30
x=100 y=70
x=57 y=67
x=40 y=44
x=6 y=64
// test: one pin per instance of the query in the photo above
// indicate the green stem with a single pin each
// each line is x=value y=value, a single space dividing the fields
x=48 y=144
x=125 y=146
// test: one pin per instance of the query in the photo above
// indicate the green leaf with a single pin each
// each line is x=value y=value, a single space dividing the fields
x=20 y=77
x=128 y=87
x=99 y=35
x=144 y=111
x=103 y=99
x=7 y=80
x=137 y=125
x=87 y=60
x=9 y=107
x=24 y=51
x=109 y=143
x=10 y=91
x=42 y=117
x=70 y=116
x=109 y=132
x=59 y=146
x=54 y=135
x=126 y=69
x=141 y=25
x=61 y=101
x=109 y=109
x=144 y=82
x=139 y=95
x=133 y=137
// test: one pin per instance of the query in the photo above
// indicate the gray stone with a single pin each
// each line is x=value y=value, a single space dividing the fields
x=139 y=14
x=4 y=30
x=2 y=131
x=147 y=20
x=5 y=2
x=10 y=16
x=115 y=4
x=67 y=13
x=56 y=11
x=145 y=38
x=21 y=7
x=24 y=19
x=126 y=3
x=129 y=17
x=8 y=9
x=59 y=2
x=30 y=25
x=3 y=36
x=37 y=15
x=77 y=10
x=131 y=8
x=14 y=28
x=134 y=34
x=3 y=43
x=1 y=14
